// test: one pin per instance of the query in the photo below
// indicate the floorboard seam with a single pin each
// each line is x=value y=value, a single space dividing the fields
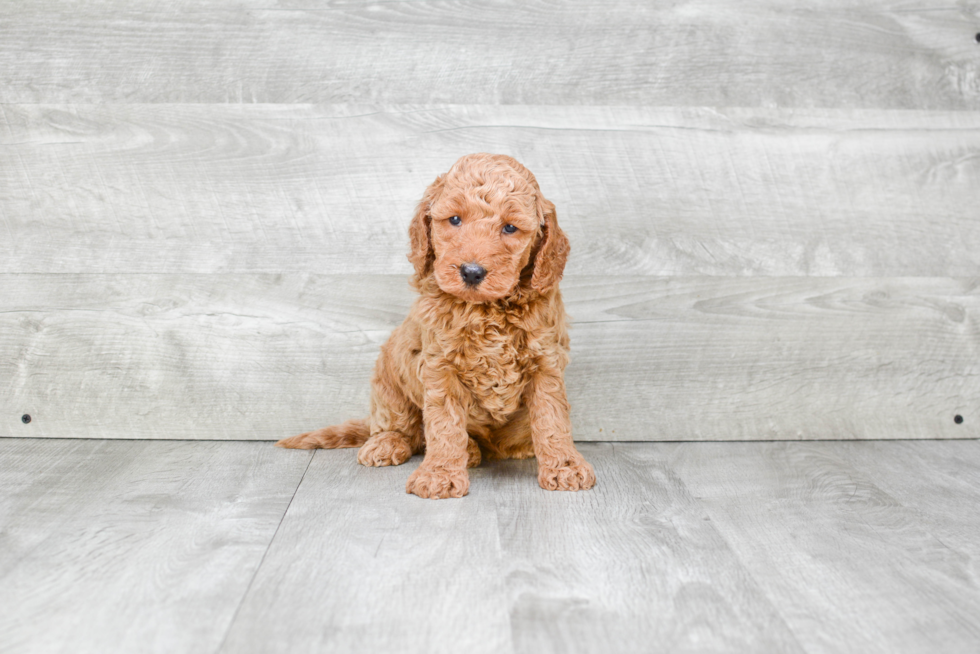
x=706 y=512
x=248 y=588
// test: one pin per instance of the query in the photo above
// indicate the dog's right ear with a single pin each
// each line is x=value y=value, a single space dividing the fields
x=419 y=230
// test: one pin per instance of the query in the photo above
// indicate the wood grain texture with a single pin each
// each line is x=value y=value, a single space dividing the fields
x=849 y=567
x=631 y=566
x=835 y=53
x=132 y=546
x=359 y=566
x=709 y=547
x=934 y=480
x=264 y=356
x=330 y=189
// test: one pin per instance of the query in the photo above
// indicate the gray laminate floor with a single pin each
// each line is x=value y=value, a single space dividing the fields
x=179 y=546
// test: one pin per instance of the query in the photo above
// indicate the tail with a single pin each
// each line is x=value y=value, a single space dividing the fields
x=352 y=433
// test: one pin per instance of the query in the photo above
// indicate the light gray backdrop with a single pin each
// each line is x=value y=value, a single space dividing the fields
x=774 y=208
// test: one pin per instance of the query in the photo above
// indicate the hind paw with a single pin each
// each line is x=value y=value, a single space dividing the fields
x=388 y=448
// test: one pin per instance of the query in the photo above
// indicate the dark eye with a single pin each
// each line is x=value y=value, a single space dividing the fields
x=509 y=229
x=455 y=220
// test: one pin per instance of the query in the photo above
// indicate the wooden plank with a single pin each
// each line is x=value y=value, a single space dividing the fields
x=129 y=546
x=330 y=189
x=837 y=53
x=938 y=480
x=359 y=566
x=796 y=358
x=264 y=356
x=632 y=565
x=133 y=546
x=237 y=357
x=849 y=567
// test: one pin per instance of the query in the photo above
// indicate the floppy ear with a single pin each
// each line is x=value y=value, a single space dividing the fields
x=549 y=261
x=422 y=255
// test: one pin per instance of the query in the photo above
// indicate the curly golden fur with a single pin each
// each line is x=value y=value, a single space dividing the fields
x=477 y=368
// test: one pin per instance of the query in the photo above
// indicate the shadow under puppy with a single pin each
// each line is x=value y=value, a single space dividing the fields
x=477 y=368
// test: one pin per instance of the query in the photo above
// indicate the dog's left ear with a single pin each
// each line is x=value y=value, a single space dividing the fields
x=422 y=256
x=553 y=248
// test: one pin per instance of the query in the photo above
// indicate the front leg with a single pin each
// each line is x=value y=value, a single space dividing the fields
x=560 y=466
x=443 y=471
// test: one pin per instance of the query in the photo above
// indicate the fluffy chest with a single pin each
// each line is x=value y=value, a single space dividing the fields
x=494 y=363
x=493 y=356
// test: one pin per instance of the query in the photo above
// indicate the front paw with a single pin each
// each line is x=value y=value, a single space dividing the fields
x=576 y=475
x=438 y=483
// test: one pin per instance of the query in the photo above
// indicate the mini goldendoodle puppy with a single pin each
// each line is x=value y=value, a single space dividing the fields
x=477 y=368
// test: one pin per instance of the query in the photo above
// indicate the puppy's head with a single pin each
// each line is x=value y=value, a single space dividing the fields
x=481 y=225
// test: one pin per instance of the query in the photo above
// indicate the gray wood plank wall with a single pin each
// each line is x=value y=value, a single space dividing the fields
x=823 y=53
x=772 y=209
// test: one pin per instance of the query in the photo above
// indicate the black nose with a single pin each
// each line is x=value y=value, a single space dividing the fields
x=472 y=273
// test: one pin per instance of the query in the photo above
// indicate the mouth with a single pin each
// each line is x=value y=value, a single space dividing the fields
x=474 y=296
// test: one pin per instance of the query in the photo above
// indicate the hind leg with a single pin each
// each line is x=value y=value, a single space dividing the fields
x=473 y=455
x=386 y=448
x=512 y=440
x=396 y=422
